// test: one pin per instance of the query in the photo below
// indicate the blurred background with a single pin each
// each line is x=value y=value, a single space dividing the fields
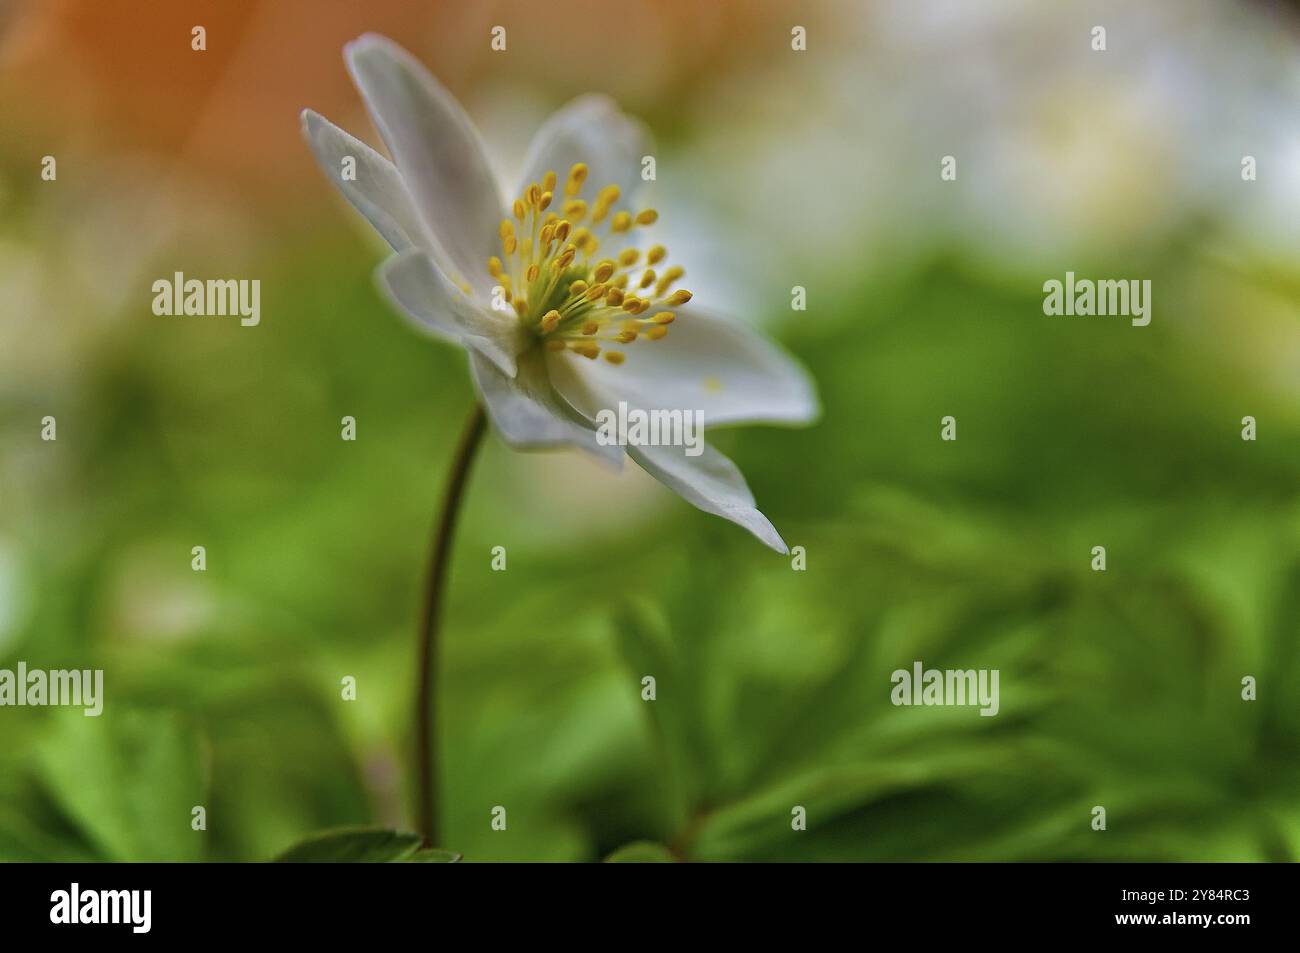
x=775 y=168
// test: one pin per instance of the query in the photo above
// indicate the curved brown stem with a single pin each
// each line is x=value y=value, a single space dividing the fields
x=426 y=729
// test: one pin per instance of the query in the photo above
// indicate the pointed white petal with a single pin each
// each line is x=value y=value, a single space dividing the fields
x=437 y=151
x=718 y=367
x=529 y=414
x=377 y=191
x=711 y=482
x=593 y=130
x=428 y=297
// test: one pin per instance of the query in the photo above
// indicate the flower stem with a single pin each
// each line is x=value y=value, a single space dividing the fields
x=426 y=729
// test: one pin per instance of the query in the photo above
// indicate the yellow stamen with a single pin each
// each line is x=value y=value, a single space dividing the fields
x=577 y=175
x=542 y=249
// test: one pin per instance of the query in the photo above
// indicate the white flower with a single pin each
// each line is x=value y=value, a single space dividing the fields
x=582 y=316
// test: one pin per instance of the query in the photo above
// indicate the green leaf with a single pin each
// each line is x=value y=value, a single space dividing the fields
x=641 y=852
x=433 y=856
x=128 y=781
x=358 y=845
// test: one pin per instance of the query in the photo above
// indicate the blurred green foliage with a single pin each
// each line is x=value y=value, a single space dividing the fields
x=1119 y=689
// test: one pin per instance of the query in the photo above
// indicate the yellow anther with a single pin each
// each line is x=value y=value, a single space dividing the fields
x=655 y=255
x=647 y=217
x=590 y=327
x=521 y=306
x=507 y=228
x=509 y=245
x=666 y=281
x=614 y=298
x=628 y=256
x=578 y=287
x=534 y=195
x=679 y=297
x=494 y=266
x=550 y=321
x=657 y=332
x=626 y=337
x=620 y=281
x=596 y=292
x=533 y=272
x=548 y=182
x=604 y=271
x=615 y=357
x=647 y=279
x=575 y=209
x=621 y=222
x=555 y=345
x=562 y=230
x=588 y=349
x=545 y=202
x=631 y=303
x=519 y=210
x=604 y=202
x=664 y=317
x=590 y=245
x=577 y=175
x=548 y=232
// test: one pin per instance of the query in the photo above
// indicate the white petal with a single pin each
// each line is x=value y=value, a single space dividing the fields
x=593 y=130
x=529 y=414
x=711 y=482
x=717 y=367
x=436 y=150
x=428 y=297
x=377 y=191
